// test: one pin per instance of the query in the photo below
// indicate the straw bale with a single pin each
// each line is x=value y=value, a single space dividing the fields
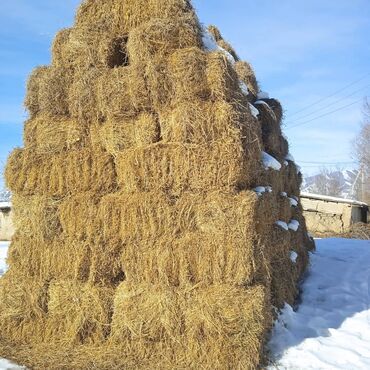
x=136 y=216
x=246 y=74
x=78 y=313
x=82 y=96
x=59 y=53
x=77 y=214
x=197 y=75
x=226 y=46
x=283 y=271
x=95 y=261
x=192 y=259
x=276 y=107
x=211 y=238
x=208 y=122
x=120 y=135
x=160 y=37
x=215 y=32
x=37 y=216
x=228 y=322
x=122 y=93
x=46 y=134
x=123 y=16
x=187 y=69
x=23 y=307
x=29 y=173
x=53 y=86
x=33 y=86
x=147 y=312
x=222 y=78
x=272 y=137
x=176 y=167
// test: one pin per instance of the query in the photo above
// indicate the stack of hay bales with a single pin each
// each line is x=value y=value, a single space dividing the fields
x=147 y=232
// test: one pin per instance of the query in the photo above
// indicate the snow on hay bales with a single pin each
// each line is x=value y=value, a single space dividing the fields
x=140 y=241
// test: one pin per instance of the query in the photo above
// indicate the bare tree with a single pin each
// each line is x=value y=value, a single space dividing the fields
x=361 y=147
x=328 y=183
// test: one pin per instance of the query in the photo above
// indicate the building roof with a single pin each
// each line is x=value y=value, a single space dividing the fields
x=333 y=199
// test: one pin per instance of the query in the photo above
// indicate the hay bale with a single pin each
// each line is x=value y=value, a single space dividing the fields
x=176 y=168
x=272 y=136
x=146 y=312
x=29 y=173
x=83 y=97
x=142 y=130
x=136 y=216
x=37 y=217
x=78 y=313
x=222 y=78
x=230 y=323
x=160 y=37
x=77 y=214
x=121 y=17
x=47 y=134
x=23 y=307
x=32 y=94
x=276 y=107
x=187 y=70
x=122 y=93
x=226 y=46
x=215 y=32
x=207 y=122
x=246 y=74
x=60 y=56
x=53 y=87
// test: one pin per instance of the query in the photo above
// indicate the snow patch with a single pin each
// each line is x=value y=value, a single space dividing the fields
x=269 y=189
x=282 y=224
x=284 y=194
x=210 y=44
x=270 y=162
x=293 y=202
x=331 y=328
x=243 y=87
x=293 y=225
x=255 y=112
x=261 y=102
x=293 y=256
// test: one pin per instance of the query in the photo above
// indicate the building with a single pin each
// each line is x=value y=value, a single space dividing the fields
x=6 y=223
x=326 y=214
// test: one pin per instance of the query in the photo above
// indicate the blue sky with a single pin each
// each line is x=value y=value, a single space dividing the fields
x=302 y=52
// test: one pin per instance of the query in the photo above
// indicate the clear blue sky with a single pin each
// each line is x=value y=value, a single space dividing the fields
x=302 y=52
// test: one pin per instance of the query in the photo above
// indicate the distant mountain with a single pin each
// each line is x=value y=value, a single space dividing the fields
x=5 y=195
x=333 y=183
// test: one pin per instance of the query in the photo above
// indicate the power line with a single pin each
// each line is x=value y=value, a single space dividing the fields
x=333 y=103
x=353 y=162
x=331 y=95
x=324 y=115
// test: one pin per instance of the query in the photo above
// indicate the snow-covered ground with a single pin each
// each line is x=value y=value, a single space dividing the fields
x=3 y=252
x=331 y=327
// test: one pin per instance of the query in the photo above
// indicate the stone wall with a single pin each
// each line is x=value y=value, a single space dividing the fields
x=324 y=216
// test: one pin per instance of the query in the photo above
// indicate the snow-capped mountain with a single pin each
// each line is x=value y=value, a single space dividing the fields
x=334 y=183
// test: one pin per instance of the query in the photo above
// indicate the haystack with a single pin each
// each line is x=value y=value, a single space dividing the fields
x=157 y=208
